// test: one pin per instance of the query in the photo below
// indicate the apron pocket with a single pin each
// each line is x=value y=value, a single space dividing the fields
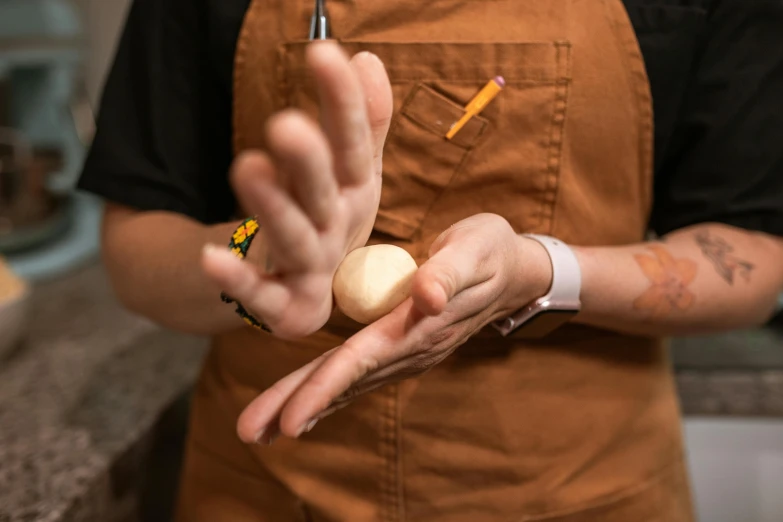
x=514 y=146
x=417 y=139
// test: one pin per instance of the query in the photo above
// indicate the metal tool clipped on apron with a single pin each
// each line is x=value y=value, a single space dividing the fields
x=582 y=426
x=319 y=24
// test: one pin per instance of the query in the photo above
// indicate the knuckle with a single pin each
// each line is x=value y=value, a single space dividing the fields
x=421 y=363
x=440 y=336
x=364 y=362
x=449 y=278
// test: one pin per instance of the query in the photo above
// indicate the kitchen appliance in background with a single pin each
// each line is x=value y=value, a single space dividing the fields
x=46 y=228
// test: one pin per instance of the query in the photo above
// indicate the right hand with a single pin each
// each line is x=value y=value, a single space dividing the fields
x=316 y=195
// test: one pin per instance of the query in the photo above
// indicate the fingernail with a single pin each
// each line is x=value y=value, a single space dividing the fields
x=212 y=249
x=371 y=56
x=308 y=427
x=220 y=253
x=266 y=438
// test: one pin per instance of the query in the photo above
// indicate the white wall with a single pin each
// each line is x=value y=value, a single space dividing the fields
x=736 y=469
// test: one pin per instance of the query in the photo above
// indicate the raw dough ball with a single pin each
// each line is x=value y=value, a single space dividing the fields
x=372 y=281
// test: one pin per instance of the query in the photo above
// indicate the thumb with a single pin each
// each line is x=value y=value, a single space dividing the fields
x=448 y=272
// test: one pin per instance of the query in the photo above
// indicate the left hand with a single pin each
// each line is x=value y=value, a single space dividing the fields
x=479 y=270
x=315 y=193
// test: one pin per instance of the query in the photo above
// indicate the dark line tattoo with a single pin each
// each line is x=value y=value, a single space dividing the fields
x=721 y=255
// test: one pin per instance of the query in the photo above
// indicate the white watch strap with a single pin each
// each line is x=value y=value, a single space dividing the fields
x=566 y=272
x=563 y=294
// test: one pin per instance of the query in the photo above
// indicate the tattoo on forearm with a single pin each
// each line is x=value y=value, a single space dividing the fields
x=721 y=255
x=670 y=279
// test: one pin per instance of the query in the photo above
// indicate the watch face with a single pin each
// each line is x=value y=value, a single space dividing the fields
x=545 y=322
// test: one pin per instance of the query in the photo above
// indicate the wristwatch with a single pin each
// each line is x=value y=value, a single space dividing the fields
x=559 y=305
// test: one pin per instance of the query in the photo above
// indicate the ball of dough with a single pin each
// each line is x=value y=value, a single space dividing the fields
x=372 y=281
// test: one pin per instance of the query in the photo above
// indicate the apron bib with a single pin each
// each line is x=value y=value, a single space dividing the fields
x=580 y=427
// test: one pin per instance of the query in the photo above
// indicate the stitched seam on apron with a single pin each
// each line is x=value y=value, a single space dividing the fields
x=556 y=139
x=389 y=474
x=426 y=125
x=409 y=72
x=399 y=454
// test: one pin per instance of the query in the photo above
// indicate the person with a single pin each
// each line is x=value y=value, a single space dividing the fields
x=221 y=110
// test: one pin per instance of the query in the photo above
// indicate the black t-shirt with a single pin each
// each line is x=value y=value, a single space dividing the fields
x=163 y=140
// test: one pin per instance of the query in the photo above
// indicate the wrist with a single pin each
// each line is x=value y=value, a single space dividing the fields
x=531 y=273
x=551 y=291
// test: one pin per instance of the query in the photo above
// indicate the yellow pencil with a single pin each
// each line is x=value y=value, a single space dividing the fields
x=477 y=104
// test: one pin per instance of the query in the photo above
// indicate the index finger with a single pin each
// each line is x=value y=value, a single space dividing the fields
x=257 y=416
x=388 y=340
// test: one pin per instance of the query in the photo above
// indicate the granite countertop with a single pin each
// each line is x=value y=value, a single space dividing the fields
x=84 y=399
x=79 y=400
x=735 y=374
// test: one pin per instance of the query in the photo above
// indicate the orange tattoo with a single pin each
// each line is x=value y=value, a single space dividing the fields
x=670 y=279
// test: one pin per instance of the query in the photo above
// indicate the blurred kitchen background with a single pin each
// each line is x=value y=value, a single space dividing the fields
x=93 y=401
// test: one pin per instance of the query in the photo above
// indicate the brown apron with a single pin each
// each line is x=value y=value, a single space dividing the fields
x=583 y=426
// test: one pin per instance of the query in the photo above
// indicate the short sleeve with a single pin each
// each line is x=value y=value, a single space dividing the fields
x=724 y=162
x=164 y=124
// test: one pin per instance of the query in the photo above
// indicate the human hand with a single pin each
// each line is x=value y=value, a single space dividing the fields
x=478 y=271
x=315 y=194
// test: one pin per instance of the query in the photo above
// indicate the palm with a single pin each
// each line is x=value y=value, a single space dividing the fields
x=311 y=290
x=315 y=193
